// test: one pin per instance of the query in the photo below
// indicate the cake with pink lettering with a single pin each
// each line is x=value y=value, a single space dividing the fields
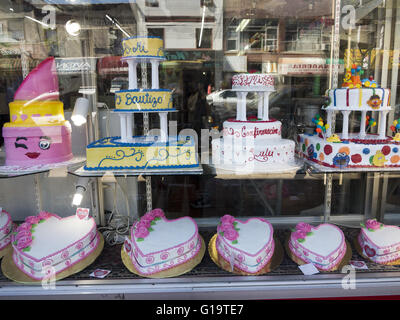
x=379 y=242
x=253 y=144
x=324 y=245
x=47 y=245
x=6 y=229
x=37 y=133
x=247 y=245
x=157 y=244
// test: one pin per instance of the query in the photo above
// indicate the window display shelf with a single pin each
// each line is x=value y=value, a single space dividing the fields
x=18 y=171
x=140 y=172
x=286 y=281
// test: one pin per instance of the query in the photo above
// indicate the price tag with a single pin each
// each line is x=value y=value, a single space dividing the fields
x=358 y=265
x=100 y=273
x=82 y=213
x=308 y=269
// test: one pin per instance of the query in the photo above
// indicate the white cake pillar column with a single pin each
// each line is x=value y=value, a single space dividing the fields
x=345 y=131
x=329 y=116
x=362 y=124
x=241 y=106
x=129 y=127
x=382 y=124
x=154 y=74
x=260 y=105
x=132 y=74
x=122 y=118
x=163 y=126
x=266 y=106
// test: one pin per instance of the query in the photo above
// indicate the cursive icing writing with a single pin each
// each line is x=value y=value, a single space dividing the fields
x=251 y=133
x=262 y=156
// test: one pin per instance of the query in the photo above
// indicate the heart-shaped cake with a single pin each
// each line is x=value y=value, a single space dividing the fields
x=379 y=242
x=46 y=244
x=247 y=245
x=6 y=228
x=324 y=245
x=157 y=244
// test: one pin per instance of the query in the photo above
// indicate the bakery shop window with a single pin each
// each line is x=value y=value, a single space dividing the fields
x=152 y=3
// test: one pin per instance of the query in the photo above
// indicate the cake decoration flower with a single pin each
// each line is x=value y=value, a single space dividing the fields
x=372 y=225
x=227 y=228
x=301 y=231
x=144 y=225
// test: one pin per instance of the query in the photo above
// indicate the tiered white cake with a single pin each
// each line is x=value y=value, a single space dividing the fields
x=253 y=144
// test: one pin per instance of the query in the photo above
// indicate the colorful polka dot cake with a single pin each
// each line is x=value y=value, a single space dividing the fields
x=353 y=150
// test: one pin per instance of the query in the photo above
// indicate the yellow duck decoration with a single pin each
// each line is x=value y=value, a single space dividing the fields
x=333 y=138
x=379 y=159
x=397 y=137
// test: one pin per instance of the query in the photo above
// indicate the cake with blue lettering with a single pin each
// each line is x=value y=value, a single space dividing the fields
x=367 y=147
x=152 y=151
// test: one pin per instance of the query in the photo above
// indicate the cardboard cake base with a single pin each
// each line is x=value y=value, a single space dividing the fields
x=173 y=272
x=275 y=261
x=11 y=271
x=5 y=251
x=345 y=260
x=360 y=252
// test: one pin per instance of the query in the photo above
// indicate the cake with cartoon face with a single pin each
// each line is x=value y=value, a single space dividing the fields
x=247 y=245
x=37 y=132
x=347 y=150
x=379 y=242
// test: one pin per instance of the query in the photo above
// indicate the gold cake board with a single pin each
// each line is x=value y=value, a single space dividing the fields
x=275 y=261
x=11 y=271
x=360 y=252
x=5 y=251
x=173 y=272
x=345 y=260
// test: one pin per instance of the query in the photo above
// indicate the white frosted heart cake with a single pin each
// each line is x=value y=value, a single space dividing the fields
x=47 y=244
x=6 y=228
x=379 y=242
x=247 y=245
x=157 y=244
x=324 y=245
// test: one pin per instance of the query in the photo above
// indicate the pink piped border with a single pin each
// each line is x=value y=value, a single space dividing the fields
x=331 y=265
x=316 y=254
x=259 y=267
x=69 y=246
x=192 y=254
x=196 y=232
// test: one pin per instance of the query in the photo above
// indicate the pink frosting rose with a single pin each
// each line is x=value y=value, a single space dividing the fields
x=299 y=234
x=141 y=232
x=147 y=218
x=24 y=226
x=231 y=234
x=44 y=215
x=372 y=224
x=32 y=220
x=24 y=242
x=144 y=223
x=227 y=218
x=226 y=226
x=305 y=227
x=23 y=233
x=157 y=213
